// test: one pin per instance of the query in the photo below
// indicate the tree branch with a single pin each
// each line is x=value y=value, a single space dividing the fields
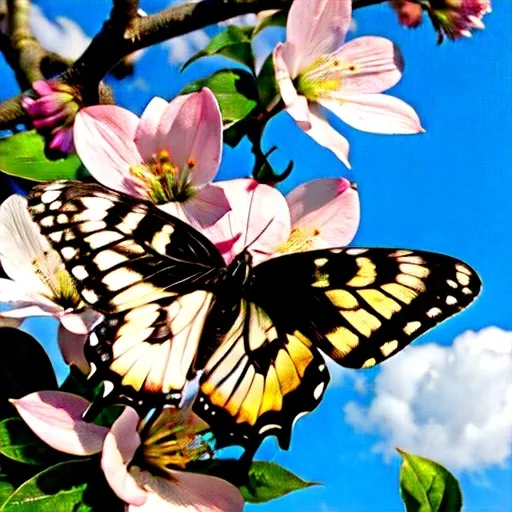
x=125 y=32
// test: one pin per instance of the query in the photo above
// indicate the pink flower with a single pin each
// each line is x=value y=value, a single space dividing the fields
x=456 y=18
x=318 y=214
x=409 y=13
x=170 y=154
x=314 y=68
x=141 y=471
x=53 y=113
x=39 y=285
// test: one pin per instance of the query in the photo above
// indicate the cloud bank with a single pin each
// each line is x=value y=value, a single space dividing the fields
x=451 y=404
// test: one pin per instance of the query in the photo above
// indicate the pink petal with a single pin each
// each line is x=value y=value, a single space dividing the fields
x=189 y=492
x=72 y=349
x=80 y=323
x=202 y=211
x=328 y=209
x=378 y=65
x=194 y=135
x=259 y=218
x=145 y=136
x=323 y=133
x=42 y=88
x=315 y=28
x=56 y=418
x=104 y=140
x=119 y=447
x=296 y=105
x=376 y=113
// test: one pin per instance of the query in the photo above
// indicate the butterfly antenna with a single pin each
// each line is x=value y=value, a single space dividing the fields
x=255 y=239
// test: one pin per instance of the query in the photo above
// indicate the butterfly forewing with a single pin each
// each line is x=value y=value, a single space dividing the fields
x=122 y=252
x=362 y=306
x=260 y=379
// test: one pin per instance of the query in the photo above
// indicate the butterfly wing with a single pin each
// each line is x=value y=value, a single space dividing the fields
x=262 y=376
x=150 y=274
x=359 y=306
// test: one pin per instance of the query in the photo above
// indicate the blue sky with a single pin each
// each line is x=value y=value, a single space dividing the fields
x=447 y=190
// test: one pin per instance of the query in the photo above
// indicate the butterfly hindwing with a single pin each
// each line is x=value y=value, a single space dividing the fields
x=362 y=306
x=259 y=380
x=122 y=252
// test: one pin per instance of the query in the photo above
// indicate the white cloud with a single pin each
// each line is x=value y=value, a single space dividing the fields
x=63 y=36
x=451 y=404
x=183 y=47
x=341 y=376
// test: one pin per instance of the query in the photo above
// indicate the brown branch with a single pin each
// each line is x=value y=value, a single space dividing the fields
x=125 y=32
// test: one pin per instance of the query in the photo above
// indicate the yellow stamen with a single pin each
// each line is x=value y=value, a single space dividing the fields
x=300 y=240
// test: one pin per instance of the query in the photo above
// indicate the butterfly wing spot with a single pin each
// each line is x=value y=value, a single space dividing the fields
x=369 y=363
x=342 y=299
x=452 y=284
x=272 y=397
x=321 y=277
x=68 y=252
x=462 y=278
x=91 y=226
x=466 y=291
x=350 y=252
x=460 y=267
x=388 y=348
x=108 y=258
x=366 y=273
x=137 y=295
x=89 y=215
x=101 y=239
x=402 y=293
x=55 y=237
x=47 y=222
x=362 y=320
x=96 y=204
x=411 y=282
x=415 y=260
x=162 y=239
x=343 y=340
x=121 y=278
x=318 y=391
x=50 y=196
x=434 y=312
x=382 y=304
x=56 y=205
x=130 y=222
x=414 y=270
x=411 y=327
x=80 y=272
x=400 y=253
x=90 y=296
x=451 y=300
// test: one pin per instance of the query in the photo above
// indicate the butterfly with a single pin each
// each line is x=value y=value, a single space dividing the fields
x=254 y=334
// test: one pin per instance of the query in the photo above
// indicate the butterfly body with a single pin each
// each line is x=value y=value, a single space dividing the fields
x=172 y=307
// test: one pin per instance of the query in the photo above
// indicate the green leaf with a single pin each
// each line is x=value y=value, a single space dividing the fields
x=6 y=489
x=277 y=19
x=24 y=368
x=233 y=43
x=268 y=481
x=23 y=155
x=59 y=488
x=235 y=90
x=426 y=486
x=267 y=84
x=19 y=443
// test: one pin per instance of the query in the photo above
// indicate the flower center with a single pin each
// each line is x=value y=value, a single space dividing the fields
x=60 y=283
x=173 y=442
x=323 y=77
x=164 y=181
x=300 y=240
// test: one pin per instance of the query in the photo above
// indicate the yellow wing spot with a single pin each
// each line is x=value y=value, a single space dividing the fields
x=69 y=235
x=286 y=372
x=336 y=251
x=400 y=253
x=139 y=294
x=466 y=291
x=162 y=239
x=388 y=348
x=321 y=277
x=251 y=405
x=301 y=355
x=56 y=236
x=103 y=238
x=415 y=260
x=342 y=299
x=414 y=270
x=379 y=302
x=79 y=272
x=363 y=321
x=402 y=293
x=62 y=218
x=411 y=327
x=92 y=225
x=365 y=275
x=108 y=259
x=300 y=240
x=121 y=278
x=369 y=363
x=452 y=284
x=272 y=398
x=68 y=253
x=354 y=252
x=412 y=282
x=235 y=402
x=129 y=247
x=463 y=278
x=433 y=312
x=46 y=222
x=89 y=296
x=50 y=196
x=451 y=300
x=130 y=222
x=462 y=268
x=343 y=340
